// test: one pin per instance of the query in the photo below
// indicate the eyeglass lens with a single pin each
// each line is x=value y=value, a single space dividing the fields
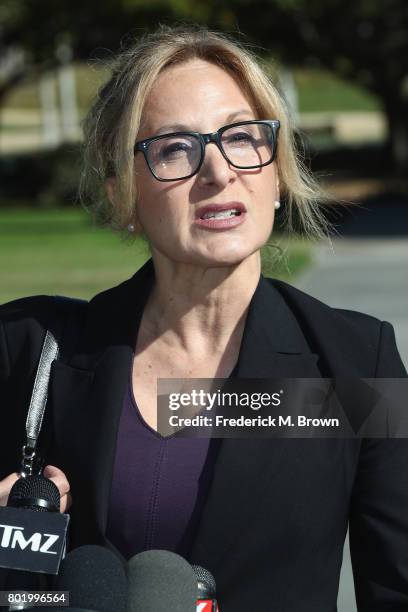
x=246 y=146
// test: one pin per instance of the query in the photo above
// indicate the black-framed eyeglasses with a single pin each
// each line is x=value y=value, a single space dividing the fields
x=179 y=155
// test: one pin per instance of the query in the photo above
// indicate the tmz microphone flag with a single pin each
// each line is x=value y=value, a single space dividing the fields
x=32 y=541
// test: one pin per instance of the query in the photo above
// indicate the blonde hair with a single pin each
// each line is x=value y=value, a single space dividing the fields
x=112 y=124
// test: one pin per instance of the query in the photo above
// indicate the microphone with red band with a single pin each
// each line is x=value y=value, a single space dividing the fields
x=206 y=597
x=160 y=581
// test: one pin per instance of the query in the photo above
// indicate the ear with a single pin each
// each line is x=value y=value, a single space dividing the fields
x=110 y=186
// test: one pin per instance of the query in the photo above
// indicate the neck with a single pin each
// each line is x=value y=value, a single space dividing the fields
x=199 y=309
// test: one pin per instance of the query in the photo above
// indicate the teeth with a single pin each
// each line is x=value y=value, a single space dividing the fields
x=224 y=214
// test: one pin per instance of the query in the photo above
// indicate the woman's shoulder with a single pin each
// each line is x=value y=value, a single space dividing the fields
x=356 y=336
x=24 y=321
x=37 y=309
x=313 y=307
x=25 y=304
x=32 y=311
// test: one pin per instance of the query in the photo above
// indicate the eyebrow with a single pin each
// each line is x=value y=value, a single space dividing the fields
x=182 y=127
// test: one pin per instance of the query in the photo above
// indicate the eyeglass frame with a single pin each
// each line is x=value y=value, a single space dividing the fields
x=204 y=139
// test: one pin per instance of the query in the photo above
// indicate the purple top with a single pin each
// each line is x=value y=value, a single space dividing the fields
x=159 y=485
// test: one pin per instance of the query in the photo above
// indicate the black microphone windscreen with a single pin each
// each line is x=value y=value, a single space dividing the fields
x=205 y=582
x=160 y=580
x=95 y=578
x=26 y=490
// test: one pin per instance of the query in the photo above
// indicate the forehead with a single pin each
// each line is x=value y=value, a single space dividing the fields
x=194 y=92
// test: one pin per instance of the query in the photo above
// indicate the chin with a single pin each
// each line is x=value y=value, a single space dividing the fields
x=222 y=258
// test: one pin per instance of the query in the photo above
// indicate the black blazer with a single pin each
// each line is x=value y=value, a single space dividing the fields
x=274 y=523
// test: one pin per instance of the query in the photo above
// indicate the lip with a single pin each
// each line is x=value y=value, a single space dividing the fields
x=220 y=224
x=218 y=208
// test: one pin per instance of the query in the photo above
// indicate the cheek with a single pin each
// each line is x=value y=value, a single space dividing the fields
x=264 y=195
x=148 y=194
x=160 y=207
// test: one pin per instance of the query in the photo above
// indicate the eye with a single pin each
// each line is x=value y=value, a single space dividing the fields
x=172 y=150
x=238 y=138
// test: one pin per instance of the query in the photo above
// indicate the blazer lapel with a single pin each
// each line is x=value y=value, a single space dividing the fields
x=273 y=346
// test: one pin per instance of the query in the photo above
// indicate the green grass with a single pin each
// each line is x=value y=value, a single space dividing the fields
x=322 y=91
x=59 y=252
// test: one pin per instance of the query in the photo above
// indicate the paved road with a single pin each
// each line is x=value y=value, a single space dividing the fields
x=369 y=275
x=366 y=274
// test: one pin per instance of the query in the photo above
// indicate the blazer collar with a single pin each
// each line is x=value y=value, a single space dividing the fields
x=273 y=343
x=114 y=317
x=87 y=397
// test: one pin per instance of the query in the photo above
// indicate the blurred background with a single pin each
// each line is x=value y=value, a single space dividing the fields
x=343 y=66
x=343 y=69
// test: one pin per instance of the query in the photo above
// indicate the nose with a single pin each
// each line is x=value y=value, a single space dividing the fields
x=215 y=169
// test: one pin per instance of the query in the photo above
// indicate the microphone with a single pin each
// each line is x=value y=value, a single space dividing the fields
x=35 y=493
x=159 y=581
x=32 y=531
x=206 y=599
x=95 y=579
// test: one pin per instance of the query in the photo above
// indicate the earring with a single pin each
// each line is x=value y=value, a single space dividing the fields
x=277 y=204
x=131 y=228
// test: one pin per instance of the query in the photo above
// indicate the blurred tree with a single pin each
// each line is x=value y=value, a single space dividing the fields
x=92 y=28
x=363 y=41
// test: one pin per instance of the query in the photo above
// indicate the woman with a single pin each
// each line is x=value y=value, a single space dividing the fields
x=193 y=145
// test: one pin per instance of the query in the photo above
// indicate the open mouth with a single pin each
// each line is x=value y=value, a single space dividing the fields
x=223 y=214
